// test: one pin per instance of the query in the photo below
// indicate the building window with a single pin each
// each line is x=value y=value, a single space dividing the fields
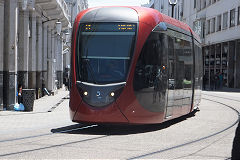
x=162 y=4
x=203 y=4
x=203 y=29
x=208 y=3
x=225 y=20
x=194 y=3
x=238 y=15
x=219 y=22
x=213 y=25
x=232 y=18
x=208 y=26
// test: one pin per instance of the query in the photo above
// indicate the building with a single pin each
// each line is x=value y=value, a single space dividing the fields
x=32 y=40
x=74 y=7
x=218 y=24
x=164 y=7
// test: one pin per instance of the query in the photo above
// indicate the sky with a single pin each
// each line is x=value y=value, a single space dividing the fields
x=94 y=3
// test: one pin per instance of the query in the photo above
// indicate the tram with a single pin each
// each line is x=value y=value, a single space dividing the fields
x=133 y=65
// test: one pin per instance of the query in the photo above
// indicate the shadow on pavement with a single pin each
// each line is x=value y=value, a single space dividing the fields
x=108 y=129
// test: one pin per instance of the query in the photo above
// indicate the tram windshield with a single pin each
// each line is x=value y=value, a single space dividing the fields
x=104 y=52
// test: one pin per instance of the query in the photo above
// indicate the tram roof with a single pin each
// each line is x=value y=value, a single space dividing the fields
x=148 y=16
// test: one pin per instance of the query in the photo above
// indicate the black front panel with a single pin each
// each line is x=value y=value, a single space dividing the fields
x=100 y=95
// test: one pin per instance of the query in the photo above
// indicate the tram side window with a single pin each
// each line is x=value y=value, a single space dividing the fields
x=188 y=64
x=198 y=66
x=184 y=63
x=171 y=64
x=179 y=63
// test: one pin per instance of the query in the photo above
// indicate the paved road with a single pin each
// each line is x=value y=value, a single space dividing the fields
x=50 y=135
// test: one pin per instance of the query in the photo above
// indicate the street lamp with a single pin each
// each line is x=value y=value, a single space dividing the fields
x=58 y=27
x=24 y=4
x=172 y=3
x=67 y=37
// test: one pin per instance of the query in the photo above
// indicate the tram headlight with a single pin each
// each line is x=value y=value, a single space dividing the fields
x=85 y=93
x=112 y=94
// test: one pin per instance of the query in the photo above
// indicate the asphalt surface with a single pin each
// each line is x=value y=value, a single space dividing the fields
x=42 y=134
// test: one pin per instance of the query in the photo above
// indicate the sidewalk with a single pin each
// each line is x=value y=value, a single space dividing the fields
x=44 y=104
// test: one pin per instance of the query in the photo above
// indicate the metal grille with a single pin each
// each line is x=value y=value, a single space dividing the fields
x=28 y=99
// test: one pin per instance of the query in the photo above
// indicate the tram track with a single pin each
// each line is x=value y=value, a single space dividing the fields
x=221 y=97
x=50 y=134
x=47 y=134
x=77 y=128
x=196 y=140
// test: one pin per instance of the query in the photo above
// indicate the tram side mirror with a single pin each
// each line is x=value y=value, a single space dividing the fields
x=160 y=27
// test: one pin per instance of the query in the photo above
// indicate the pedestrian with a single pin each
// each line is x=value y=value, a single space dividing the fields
x=216 y=81
x=212 y=82
x=220 y=80
x=19 y=106
x=204 y=82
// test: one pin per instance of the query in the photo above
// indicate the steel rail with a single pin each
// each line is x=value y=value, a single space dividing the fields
x=193 y=141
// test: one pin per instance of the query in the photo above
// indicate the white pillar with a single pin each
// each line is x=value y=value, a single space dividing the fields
x=59 y=64
x=45 y=54
x=54 y=52
x=32 y=52
x=39 y=56
x=61 y=60
x=1 y=51
x=23 y=48
x=49 y=61
x=10 y=53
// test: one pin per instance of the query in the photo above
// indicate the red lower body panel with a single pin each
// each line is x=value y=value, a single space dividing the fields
x=109 y=114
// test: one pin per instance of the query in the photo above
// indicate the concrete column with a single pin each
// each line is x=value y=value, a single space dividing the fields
x=23 y=48
x=39 y=57
x=54 y=52
x=45 y=54
x=1 y=51
x=49 y=60
x=10 y=54
x=32 y=53
x=59 y=63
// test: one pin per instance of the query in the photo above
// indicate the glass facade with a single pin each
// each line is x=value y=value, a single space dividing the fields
x=222 y=60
